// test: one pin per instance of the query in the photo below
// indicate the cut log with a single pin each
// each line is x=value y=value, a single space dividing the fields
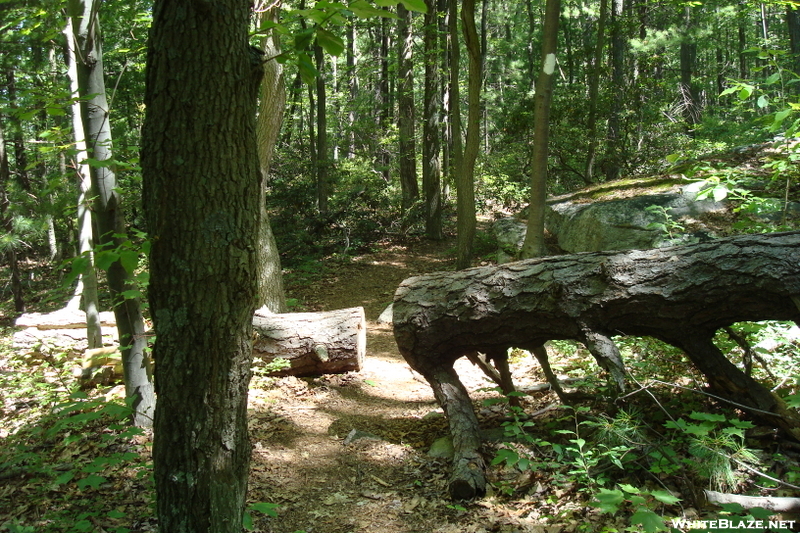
x=66 y=318
x=681 y=295
x=777 y=504
x=330 y=342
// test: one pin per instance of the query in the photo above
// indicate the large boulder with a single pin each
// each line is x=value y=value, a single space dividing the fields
x=647 y=221
x=619 y=218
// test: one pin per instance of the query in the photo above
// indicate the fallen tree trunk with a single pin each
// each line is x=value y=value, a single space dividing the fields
x=330 y=342
x=681 y=295
x=777 y=504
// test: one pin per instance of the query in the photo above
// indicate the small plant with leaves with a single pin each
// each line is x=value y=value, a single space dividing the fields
x=717 y=443
x=642 y=504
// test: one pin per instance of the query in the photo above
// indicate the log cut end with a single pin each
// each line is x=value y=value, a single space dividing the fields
x=329 y=342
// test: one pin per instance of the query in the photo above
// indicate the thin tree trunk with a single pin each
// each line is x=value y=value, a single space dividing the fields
x=270 y=117
x=406 y=116
x=618 y=43
x=688 y=53
x=8 y=226
x=323 y=183
x=351 y=73
x=594 y=93
x=431 y=167
x=85 y=295
x=534 y=238
x=465 y=178
x=108 y=209
x=201 y=195
x=793 y=27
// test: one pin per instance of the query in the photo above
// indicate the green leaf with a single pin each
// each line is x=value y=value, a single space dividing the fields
x=780 y=116
x=665 y=497
x=129 y=260
x=763 y=101
x=711 y=417
x=92 y=480
x=269 y=509
x=308 y=71
x=113 y=513
x=649 y=521
x=79 y=266
x=303 y=39
x=745 y=92
x=775 y=78
x=330 y=42
x=609 y=500
x=247 y=521
x=105 y=259
x=415 y=5
x=370 y=382
x=364 y=10
x=66 y=477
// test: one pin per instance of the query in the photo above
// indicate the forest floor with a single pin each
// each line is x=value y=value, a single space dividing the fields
x=76 y=472
x=387 y=482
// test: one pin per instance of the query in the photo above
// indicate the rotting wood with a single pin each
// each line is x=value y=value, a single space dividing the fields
x=681 y=295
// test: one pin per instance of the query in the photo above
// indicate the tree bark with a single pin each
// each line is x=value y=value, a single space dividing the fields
x=270 y=117
x=323 y=180
x=107 y=208
x=431 y=166
x=594 y=93
x=793 y=28
x=534 y=238
x=7 y=221
x=313 y=344
x=407 y=146
x=85 y=296
x=201 y=195
x=465 y=175
x=681 y=295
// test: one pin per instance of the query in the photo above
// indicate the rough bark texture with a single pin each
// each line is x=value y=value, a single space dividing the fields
x=107 y=208
x=201 y=196
x=331 y=342
x=681 y=295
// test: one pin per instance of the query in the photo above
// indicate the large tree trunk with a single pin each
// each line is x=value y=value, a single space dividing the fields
x=312 y=344
x=201 y=196
x=107 y=208
x=681 y=295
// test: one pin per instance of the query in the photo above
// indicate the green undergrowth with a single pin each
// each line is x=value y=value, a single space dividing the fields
x=641 y=461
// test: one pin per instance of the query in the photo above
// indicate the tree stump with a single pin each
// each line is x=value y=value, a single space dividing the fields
x=681 y=295
x=330 y=342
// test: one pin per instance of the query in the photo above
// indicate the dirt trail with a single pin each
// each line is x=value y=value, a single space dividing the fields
x=299 y=427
